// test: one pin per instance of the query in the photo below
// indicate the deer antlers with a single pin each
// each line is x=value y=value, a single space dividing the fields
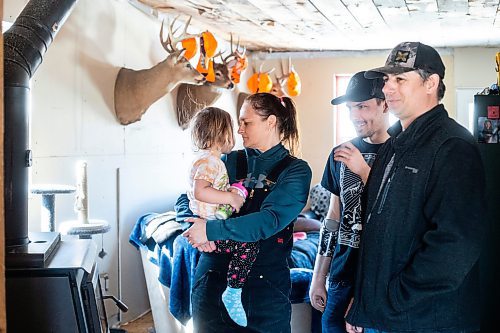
x=236 y=61
x=170 y=45
x=236 y=52
x=288 y=83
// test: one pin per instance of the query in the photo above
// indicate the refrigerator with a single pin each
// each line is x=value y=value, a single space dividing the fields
x=486 y=130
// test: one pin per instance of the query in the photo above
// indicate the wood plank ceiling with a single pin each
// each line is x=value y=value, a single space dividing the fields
x=319 y=25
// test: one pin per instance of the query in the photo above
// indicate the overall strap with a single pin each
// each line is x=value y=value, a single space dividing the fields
x=278 y=169
x=241 y=165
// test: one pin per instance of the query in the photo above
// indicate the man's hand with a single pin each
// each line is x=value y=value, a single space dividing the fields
x=348 y=327
x=197 y=235
x=353 y=329
x=317 y=293
x=348 y=154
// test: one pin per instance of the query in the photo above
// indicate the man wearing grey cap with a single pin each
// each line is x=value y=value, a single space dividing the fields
x=423 y=210
x=346 y=172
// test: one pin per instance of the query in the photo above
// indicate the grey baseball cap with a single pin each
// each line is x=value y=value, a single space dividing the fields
x=361 y=89
x=407 y=57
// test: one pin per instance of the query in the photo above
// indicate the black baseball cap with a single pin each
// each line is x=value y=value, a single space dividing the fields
x=361 y=89
x=407 y=57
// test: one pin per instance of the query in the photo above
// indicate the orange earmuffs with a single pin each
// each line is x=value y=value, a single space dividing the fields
x=260 y=82
x=208 y=47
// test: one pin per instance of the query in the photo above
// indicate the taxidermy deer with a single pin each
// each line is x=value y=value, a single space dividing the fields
x=192 y=98
x=136 y=91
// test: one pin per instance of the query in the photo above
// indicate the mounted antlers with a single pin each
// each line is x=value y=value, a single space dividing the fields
x=236 y=61
x=136 y=91
x=288 y=83
x=279 y=85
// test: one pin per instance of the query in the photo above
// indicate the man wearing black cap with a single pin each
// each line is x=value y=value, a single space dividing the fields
x=345 y=173
x=423 y=210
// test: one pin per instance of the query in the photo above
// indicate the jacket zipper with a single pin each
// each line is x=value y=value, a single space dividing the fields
x=384 y=195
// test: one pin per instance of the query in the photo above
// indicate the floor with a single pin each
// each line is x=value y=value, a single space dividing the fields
x=301 y=321
x=142 y=324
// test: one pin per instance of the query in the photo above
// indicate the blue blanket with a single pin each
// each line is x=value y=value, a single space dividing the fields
x=174 y=256
x=304 y=251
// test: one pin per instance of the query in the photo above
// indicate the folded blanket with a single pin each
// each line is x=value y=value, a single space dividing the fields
x=148 y=226
x=304 y=251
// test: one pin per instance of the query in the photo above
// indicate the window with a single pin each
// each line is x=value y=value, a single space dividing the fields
x=343 y=129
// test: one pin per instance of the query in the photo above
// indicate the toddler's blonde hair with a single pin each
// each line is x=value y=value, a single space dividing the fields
x=212 y=127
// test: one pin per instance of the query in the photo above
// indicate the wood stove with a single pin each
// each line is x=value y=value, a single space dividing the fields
x=64 y=296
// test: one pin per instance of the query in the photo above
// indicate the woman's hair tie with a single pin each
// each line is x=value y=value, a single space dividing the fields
x=282 y=101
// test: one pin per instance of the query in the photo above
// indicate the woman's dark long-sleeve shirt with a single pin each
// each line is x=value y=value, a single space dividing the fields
x=282 y=206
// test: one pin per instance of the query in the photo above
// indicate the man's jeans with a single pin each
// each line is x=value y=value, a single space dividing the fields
x=371 y=330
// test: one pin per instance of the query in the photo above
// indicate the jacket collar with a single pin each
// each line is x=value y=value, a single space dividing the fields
x=402 y=139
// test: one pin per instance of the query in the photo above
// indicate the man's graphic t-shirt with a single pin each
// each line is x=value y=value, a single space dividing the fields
x=341 y=181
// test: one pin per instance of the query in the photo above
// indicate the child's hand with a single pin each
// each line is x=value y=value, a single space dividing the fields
x=236 y=201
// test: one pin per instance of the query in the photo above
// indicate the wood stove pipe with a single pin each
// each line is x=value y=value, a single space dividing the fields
x=25 y=43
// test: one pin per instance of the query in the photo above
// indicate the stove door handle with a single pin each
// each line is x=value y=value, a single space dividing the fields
x=122 y=306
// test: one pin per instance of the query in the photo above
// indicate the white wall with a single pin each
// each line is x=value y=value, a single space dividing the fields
x=475 y=67
x=73 y=118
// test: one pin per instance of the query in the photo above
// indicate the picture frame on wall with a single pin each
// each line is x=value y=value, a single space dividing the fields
x=487 y=130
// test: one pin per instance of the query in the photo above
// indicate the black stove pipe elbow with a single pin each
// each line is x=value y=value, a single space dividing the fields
x=25 y=43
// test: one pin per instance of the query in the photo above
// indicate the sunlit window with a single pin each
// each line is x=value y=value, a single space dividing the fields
x=470 y=117
x=344 y=130
x=5 y=26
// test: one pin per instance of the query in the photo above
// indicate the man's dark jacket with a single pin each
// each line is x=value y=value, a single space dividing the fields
x=418 y=264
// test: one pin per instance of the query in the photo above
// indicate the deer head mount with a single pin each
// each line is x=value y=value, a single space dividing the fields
x=136 y=91
x=192 y=98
